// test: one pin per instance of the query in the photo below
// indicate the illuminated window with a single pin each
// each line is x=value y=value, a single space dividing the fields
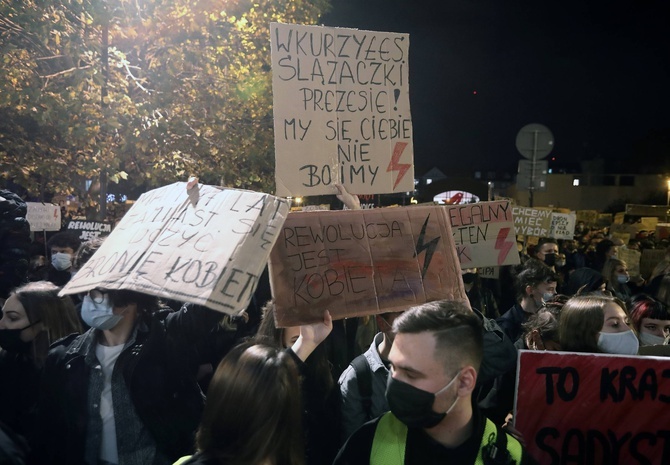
x=575 y=182
x=429 y=181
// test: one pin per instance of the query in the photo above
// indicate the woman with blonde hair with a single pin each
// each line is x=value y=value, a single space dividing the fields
x=598 y=324
x=616 y=276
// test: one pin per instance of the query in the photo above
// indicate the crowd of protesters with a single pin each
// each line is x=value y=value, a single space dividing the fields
x=120 y=377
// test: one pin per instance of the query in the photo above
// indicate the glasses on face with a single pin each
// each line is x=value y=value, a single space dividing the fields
x=97 y=295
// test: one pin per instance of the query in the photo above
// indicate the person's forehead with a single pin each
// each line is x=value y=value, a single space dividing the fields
x=13 y=304
x=549 y=246
x=613 y=310
x=62 y=249
x=646 y=321
x=416 y=352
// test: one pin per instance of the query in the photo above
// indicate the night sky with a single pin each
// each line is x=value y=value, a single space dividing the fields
x=595 y=72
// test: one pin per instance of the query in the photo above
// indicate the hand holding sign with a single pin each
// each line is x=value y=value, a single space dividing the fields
x=311 y=335
x=352 y=202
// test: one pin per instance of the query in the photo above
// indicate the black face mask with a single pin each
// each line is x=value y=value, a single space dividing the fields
x=10 y=340
x=550 y=259
x=414 y=406
x=469 y=278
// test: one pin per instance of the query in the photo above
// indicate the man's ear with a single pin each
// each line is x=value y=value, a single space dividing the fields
x=529 y=290
x=467 y=380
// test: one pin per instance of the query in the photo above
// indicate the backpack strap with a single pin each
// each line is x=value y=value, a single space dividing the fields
x=364 y=380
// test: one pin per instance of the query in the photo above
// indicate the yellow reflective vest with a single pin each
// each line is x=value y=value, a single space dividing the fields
x=388 y=446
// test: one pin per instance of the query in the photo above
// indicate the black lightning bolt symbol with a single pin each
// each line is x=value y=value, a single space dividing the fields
x=429 y=247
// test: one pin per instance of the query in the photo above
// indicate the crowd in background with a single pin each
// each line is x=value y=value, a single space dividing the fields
x=119 y=377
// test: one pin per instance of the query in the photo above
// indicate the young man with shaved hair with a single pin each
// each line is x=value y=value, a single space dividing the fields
x=435 y=359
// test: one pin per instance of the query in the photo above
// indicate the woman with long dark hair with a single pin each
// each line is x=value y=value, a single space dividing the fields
x=252 y=414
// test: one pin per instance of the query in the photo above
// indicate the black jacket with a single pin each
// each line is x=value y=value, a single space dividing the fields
x=159 y=369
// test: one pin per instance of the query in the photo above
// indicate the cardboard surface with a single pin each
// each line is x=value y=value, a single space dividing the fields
x=207 y=245
x=593 y=408
x=362 y=262
x=562 y=225
x=341 y=110
x=484 y=234
x=532 y=221
x=43 y=216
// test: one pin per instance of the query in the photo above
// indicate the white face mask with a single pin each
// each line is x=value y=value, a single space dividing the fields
x=647 y=339
x=619 y=343
x=61 y=261
x=622 y=278
x=99 y=315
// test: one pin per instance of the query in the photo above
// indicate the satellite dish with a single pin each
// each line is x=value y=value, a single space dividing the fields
x=534 y=141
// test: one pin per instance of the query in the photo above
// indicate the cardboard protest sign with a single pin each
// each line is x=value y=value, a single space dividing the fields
x=619 y=217
x=43 y=216
x=207 y=245
x=604 y=220
x=483 y=234
x=593 y=408
x=650 y=258
x=532 y=221
x=632 y=259
x=589 y=217
x=648 y=223
x=89 y=229
x=625 y=228
x=562 y=225
x=362 y=262
x=341 y=110
x=623 y=237
x=662 y=231
x=489 y=272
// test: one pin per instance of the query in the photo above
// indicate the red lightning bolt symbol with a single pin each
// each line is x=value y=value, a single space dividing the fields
x=503 y=245
x=401 y=168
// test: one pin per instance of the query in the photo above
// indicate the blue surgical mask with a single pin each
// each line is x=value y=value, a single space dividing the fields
x=622 y=278
x=61 y=261
x=99 y=315
x=625 y=343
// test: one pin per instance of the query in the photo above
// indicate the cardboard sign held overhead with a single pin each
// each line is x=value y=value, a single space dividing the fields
x=593 y=408
x=207 y=245
x=562 y=225
x=43 y=216
x=362 y=262
x=532 y=221
x=341 y=110
x=484 y=234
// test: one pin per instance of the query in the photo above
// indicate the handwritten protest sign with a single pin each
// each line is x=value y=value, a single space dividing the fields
x=562 y=225
x=604 y=220
x=648 y=223
x=650 y=258
x=361 y=262
x=594 y=408
x=619 y=217
x=341 y=110
x=662 y=231
x=632 y=259
x=589 y=217
x=532 y=221
x=88 y=230
x=489 y=272
x=207 y=245
x=484 y=234
x=43 y=216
